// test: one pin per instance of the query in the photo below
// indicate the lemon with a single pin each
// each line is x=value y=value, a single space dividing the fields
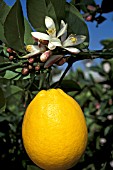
x=54 y=130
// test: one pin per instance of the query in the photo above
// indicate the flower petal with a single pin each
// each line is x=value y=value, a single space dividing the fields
x=73 y=40
x=34 y=50
x=49 y=22
x=63 y=29
x=72 y=50
x=31 y=54
x=51 y=46
x=51 y=26
x=40 y=35
x=56 y=42
x=80 y=39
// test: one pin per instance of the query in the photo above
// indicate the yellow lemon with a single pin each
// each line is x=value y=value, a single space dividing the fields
x=54 y=130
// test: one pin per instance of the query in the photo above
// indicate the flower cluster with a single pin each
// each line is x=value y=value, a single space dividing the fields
x=47 y=42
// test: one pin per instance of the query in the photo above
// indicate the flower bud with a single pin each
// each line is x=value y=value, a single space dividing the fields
x=31 y=60
x=11 y=57
x=25 y=71
x=9 y=50
x=37 y=68
x=88 y=18
x=45 y=55
x=91 y=8
x=30 y=67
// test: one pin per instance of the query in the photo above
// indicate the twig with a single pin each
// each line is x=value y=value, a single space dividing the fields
x=14 y=65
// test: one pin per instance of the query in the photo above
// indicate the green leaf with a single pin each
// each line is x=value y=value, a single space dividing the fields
x=4 y=9
x=28 y=39
x=14 y=27
x=70 y=85
x=32 y=167
x=108 y=43
x=75 y=21
x=2 y=101
x=10 y=74
x=52 y=14
x=67 y=85
x=37 y=11
x=107 y=6
x=11 y=90
x=2 y=38
x=59 y=7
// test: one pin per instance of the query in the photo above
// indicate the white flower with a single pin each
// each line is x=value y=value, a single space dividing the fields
x=51 y=30
x=68 y=44
x=34 y=50
x=53 y=37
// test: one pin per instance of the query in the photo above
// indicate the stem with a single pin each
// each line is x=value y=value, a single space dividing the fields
x=12 y=66
x=70 y=63
x=94 y=55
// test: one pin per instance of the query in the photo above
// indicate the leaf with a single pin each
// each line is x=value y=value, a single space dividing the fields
x=10 y=74
x=52 y=14
x=70 y=85
x=88 y=2
x=76 y=22
x=67 y=85
x=14 y=27
x=108 y=43
x=31 y=167
x=59 y=7
x=37 y=11
x=107 y=6
x=2 y=101
x=11 y=90
x=4 y=9
x=28 y=39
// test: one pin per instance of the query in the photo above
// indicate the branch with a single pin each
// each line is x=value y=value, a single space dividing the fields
x=13 y=65
x=94 y=55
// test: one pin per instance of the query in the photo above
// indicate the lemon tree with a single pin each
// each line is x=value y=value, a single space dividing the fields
x=55 y=131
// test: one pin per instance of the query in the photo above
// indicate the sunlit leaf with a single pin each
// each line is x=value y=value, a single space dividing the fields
x=10 y=74
x=14 y=27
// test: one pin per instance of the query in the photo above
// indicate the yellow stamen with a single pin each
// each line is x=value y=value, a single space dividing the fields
x=51 y=31
x=29 y=48
x=73 y=39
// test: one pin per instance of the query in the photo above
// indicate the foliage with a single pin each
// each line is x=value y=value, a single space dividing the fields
x=21 y=78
